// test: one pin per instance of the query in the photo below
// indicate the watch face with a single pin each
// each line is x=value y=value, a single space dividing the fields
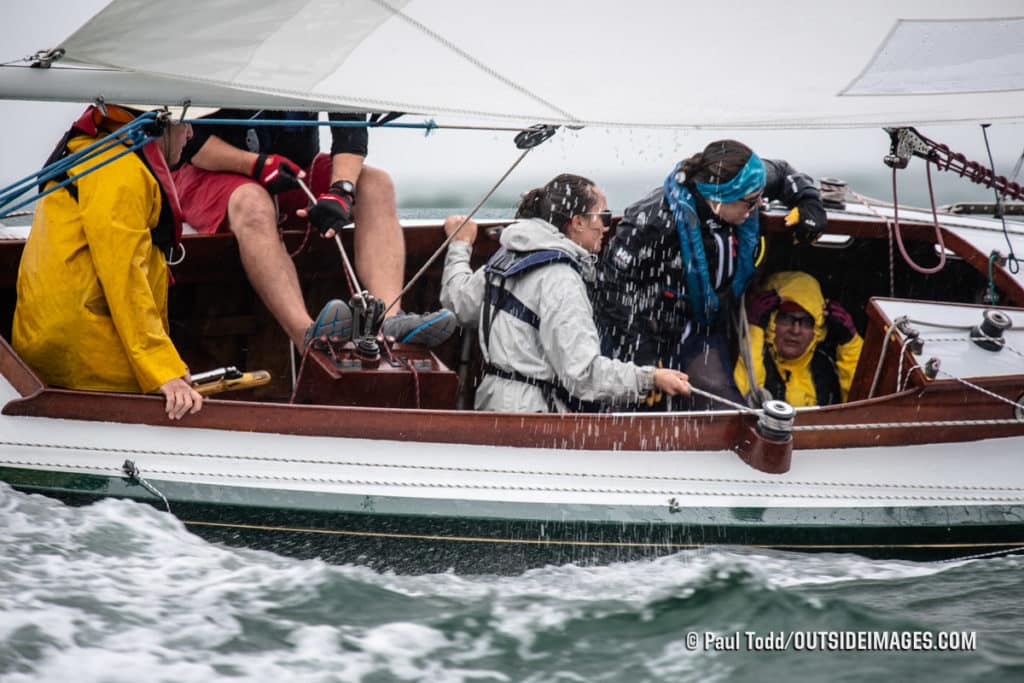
x=347 y=186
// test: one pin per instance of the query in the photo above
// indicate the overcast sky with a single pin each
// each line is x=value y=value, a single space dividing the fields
x=466 y=164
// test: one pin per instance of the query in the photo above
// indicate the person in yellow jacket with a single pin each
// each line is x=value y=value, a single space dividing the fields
x=804 y=350
x=93 y=280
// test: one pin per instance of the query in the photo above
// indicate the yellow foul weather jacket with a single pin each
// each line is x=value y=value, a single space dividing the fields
x=797 y=375
x=92 y=287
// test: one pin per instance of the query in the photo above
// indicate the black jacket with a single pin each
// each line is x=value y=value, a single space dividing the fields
x=640 y=291
x=300 y=144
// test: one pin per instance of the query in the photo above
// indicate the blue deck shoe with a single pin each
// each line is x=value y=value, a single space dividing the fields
x=334 y=322
x=426 y=329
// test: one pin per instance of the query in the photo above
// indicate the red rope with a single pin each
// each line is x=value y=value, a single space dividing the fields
x=938 y=231
x=305 y=242
x=946 y=159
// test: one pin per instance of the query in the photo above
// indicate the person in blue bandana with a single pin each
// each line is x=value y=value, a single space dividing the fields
x=682 y=257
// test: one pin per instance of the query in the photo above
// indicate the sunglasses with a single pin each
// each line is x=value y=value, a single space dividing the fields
x=752 y=202
x=797 y=321
x=606 y=216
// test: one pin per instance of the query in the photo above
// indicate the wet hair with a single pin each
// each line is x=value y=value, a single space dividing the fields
x=565 y=196
x=718 y=163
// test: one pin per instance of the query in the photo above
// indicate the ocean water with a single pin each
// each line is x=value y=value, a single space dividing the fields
x=119 y=591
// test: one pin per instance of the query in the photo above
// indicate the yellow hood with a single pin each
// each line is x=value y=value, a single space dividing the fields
x=804 y=290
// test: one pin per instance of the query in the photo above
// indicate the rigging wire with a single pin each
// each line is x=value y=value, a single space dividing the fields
x=1016 y=167
x=1012 y=261
x=449 y=238
x=429 y=125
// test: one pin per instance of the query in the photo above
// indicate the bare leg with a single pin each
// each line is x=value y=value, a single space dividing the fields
x=253 y=219
x=379 y=244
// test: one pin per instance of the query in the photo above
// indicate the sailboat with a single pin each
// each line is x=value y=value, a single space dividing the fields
x=377 y=461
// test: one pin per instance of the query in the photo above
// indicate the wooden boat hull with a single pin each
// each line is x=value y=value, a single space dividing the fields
x=413 y=506
x=919 y=469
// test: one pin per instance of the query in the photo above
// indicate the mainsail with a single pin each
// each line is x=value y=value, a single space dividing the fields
x=726 y=64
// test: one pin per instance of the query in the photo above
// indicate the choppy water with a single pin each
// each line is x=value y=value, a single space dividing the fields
x=119 y=591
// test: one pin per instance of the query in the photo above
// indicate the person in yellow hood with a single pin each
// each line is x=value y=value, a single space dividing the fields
x=804 y=349
x=93 y=280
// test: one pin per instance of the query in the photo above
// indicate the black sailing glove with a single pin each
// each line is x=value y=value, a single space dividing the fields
x=333 y=209
x=276 y=173
x=810 y=220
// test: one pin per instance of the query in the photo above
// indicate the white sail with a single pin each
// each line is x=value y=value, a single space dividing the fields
x=724 y=64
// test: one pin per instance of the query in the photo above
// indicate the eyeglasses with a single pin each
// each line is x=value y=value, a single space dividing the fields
x=606 y=216
x=752 y=202
x=797 y=321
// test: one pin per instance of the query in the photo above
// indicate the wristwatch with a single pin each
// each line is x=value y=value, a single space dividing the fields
x=346 y=186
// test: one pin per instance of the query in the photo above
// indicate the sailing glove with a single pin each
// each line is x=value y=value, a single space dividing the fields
x=811 y=220
x=762 y=306
x=839 y=323
x=333 y=209
x=276 y=173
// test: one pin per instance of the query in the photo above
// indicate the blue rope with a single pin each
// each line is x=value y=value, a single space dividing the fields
x=130 y=131
x=129 y=150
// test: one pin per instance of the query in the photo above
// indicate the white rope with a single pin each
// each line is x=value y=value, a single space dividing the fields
x=881 y=357
x=773 y=482
x=902 y=382
x=724 y=401
x=983 y=390
x=899 y=371
x=899 y=425
x=746 y=351
x=868 y=204
x=1019 y=499
x=946 y=325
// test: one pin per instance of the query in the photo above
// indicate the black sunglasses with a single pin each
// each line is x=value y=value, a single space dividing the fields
x=752 y=202
x=606 y=216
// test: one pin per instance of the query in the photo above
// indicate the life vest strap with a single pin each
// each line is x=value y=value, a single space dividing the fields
x=549 y=389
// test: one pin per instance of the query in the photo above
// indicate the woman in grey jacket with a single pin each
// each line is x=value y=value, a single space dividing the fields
x=540 y=347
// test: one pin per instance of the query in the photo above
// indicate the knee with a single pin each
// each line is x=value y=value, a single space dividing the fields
x=375 y=188
x=251 y=209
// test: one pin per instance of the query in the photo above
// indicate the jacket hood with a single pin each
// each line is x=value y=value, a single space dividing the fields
x=803 y=290
x=534 y=234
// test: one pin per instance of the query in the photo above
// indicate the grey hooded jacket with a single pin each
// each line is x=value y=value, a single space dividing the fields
x=564 y=349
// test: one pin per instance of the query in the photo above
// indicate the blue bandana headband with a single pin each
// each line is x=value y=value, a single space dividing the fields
x=750 y=179
x=702 y=302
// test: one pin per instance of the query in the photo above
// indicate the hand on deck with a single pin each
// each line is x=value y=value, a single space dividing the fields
x=672 y=382
x=468 y=231
x=181 y=398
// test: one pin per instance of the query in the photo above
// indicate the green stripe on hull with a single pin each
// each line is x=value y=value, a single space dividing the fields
x=417 y=535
